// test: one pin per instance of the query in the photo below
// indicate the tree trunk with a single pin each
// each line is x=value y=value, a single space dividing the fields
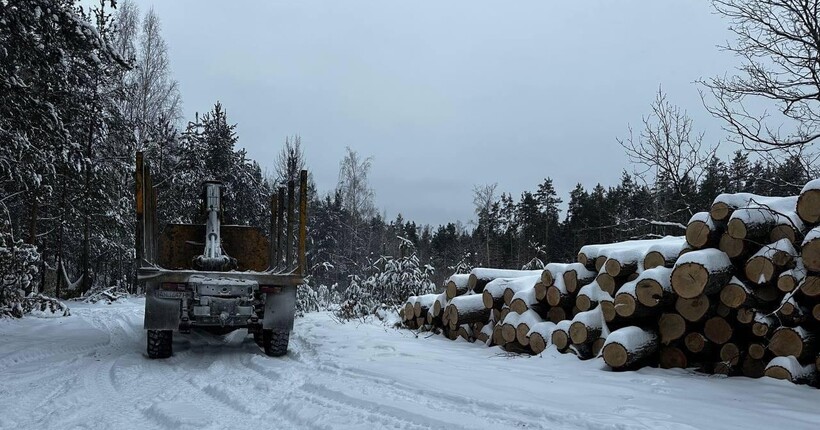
x=794 y=341
x=466 y=310
x=703 y=232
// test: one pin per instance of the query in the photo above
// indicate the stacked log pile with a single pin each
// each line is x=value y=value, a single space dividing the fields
x=739 y=294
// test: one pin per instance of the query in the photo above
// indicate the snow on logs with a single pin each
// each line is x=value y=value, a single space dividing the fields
x=738 y=295
x=627 y=347
x=457 y=285
x=480 y=277
x=465 y=310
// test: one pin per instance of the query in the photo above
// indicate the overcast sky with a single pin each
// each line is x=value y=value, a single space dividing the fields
x=446 y=94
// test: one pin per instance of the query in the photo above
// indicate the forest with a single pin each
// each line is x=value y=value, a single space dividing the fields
x=83 y=89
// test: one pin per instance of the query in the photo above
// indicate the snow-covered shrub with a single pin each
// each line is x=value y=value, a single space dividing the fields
x=388 y=285
x=315 y=299
x=18 y=266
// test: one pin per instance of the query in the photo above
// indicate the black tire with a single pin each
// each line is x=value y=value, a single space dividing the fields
x=159 y=343
x=275 y=341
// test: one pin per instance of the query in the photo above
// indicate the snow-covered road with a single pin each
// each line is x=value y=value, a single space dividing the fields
x=90 y=371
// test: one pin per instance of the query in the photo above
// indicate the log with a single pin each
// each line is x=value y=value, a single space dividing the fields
x=497 y=337
x=718 y=330
x=540 y=334
x=607 y=283
x=439 y=305
x=672 y=357
x=757 y=350
x=808 y=203
x=654 y=287
x=480 y=277
x=523 y=300
x=508 y=327
x=557 y=294
x=705 y=271
x=560 y=335
x=466 y=310
x=623 y=263
x=526 y=321
x=737 y=294
x=794 y=341
x=466 y=332
x=759 y=218
x=540 y=291
x=811 y=250
x=586 y=326
x=607 y=304
x=486 y=333
x=627 y=347
x=697 y=343
x=589 y=296
x=695 y=309
x=731 y=354
x=764 y=324
x=556 y=315
x=810 y=287
x=769 y=261
x=703 y=232
x=664 y=252
x=789 y=280
x=736 y=249
x=790 y=369
x=457 y=285
x=593 y=257
x=671 y=327
x=745 y=316
x=423 y=304
x=576 y=276
x=409 y=309
x=493 y=293
x=753 y=368
x=791 y=311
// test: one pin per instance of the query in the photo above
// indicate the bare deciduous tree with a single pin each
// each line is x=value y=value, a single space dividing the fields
x=668 y=149
x=483 y=200
x=779 y=42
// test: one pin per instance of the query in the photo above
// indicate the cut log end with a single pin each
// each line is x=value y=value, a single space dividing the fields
x=556 y=315
x=698 y=234
x=693 y=309
x=718 y=330
x=736 y=228
x=537 y=343
x=733 y=295
x=583 y=303
x=615 y=355
x=649 y=293
x=808 y=206
x=757 y=351
x=759 y=270
x=695 y=342
x=720 y=211
x=653 y=259
x=578 y=333
x=671 y=327
x=560 y=339
x=625 y=305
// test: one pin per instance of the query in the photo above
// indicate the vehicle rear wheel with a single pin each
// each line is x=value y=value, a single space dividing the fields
x=159 y=343
x=275 y=341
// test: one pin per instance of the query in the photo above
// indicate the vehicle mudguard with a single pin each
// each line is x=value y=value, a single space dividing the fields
x=161 y=314
x=280 y=309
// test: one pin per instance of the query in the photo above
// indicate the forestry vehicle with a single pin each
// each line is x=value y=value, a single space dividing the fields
x=219 y=278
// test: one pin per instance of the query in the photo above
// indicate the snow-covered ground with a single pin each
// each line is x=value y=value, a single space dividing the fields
x=90 y=371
